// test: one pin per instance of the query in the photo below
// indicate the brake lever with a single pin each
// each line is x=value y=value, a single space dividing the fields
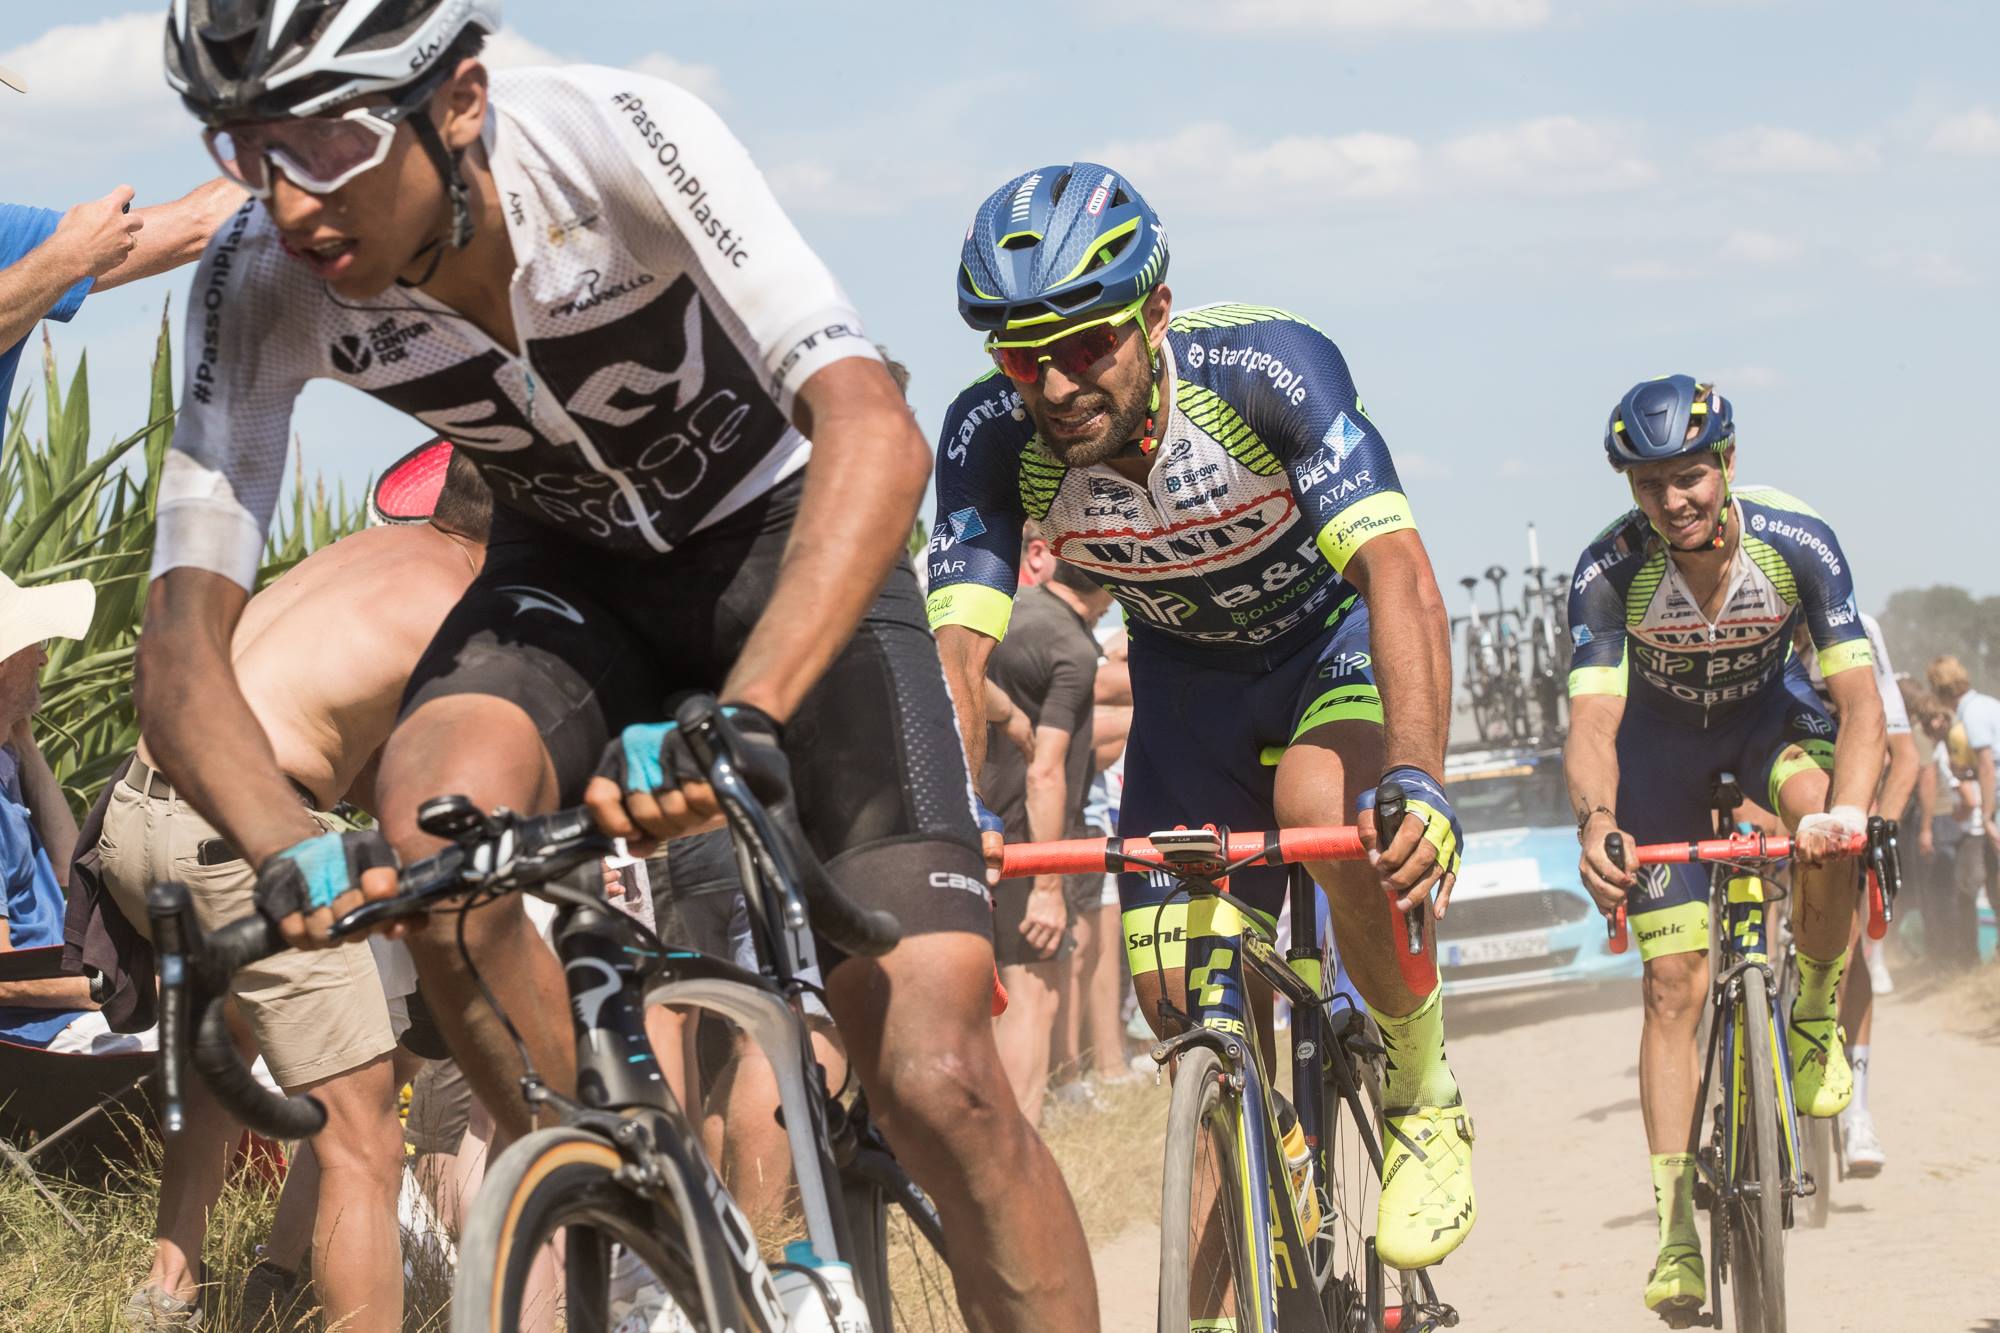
x=1614 y=920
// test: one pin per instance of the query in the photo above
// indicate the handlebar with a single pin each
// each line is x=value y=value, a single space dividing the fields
x=494 y=853
x=1237 y=851
x=1877 y=846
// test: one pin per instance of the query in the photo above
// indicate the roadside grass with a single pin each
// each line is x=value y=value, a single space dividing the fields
x=59 y=1282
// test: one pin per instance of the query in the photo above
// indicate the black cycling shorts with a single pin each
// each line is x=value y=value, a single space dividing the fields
x=587 y=642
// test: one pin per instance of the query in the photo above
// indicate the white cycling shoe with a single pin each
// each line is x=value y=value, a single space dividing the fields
x=1861 y=1154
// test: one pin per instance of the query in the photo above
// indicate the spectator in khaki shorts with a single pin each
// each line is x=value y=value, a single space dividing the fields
x=321 y=656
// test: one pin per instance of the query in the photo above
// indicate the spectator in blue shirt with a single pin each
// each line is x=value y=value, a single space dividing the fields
x=37 y=831
x=50 y=261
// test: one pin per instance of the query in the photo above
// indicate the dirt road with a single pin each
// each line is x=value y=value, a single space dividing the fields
x=1566 y=1227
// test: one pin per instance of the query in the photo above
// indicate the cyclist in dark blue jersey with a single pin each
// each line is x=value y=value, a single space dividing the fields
x=1215 y=471
x=1682 y=612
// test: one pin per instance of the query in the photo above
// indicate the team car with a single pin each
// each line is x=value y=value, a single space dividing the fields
x=1519 y=917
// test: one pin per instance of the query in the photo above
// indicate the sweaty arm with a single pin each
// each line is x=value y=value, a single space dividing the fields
x=963 y=653
x=1860 y=744
x=1599 y=670
x=1409 y=636
x=861 y=493
x=198 y=725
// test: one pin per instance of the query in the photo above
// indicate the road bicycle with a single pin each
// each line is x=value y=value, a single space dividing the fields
x=1548 y=664
x=650 y=1239
x=1493 y=684
x=1750 y=1169
x=1228 y=1185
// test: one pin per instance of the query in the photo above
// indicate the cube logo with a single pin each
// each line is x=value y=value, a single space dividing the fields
x=965 y=524
x=1343 y=437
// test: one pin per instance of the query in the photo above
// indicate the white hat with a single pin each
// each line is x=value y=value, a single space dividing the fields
x=49 y=611
x=13 y=80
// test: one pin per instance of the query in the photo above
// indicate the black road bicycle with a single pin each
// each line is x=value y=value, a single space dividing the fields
x=1751 y=1168
x=1232 y=1239
x=650 y=1238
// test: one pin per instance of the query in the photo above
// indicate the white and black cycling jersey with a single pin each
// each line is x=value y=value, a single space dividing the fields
x=666 y=308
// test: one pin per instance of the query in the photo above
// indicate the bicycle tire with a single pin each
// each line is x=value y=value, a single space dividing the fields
x=1199 y=1112
x=898 y=1248
x=1757 y=1250
x=1355 y=1285
x=555 y=1180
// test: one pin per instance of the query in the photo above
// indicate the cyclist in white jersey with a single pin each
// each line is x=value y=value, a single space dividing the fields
x=1868 y=972
x=579 y=276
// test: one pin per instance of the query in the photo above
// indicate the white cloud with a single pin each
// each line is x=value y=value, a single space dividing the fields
x=1932 y=268
x=508 y=49
x=1549 y=153
x=1974 y=133
x=1555 y=153
x=1432 y=15
x=114 y=63
x=1775 y=149
x=1760 y=247
x=866 y=189
x=1346 y=166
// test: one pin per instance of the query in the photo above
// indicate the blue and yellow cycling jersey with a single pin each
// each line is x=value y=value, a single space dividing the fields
x=1268 y=479
x=1639 y=630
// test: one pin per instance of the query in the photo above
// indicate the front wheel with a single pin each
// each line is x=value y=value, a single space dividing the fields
x=1206 y=1262
x=1757 y=1216
x=624 y=1259
x=899 y=1248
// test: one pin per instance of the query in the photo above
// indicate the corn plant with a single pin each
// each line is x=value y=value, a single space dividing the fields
x=68 y=512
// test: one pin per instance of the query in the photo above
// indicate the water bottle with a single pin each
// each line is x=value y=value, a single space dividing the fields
x=1298 y=1163
x=819 y=1296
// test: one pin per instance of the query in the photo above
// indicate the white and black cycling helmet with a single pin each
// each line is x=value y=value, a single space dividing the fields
x=243 y=60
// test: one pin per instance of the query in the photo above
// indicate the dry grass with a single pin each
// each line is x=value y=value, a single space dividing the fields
x=58 y=1282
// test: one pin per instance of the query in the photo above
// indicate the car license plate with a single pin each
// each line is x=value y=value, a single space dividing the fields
x=1500 y=949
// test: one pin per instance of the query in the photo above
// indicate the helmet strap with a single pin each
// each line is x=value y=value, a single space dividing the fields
x=447 y=162
x=1150 y=441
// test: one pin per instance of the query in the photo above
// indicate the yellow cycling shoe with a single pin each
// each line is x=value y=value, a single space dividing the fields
x=1678 y=1284
x=1427 y=1206
x=1822 y=1081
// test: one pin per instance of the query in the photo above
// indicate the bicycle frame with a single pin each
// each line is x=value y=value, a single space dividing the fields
x=1222 y=942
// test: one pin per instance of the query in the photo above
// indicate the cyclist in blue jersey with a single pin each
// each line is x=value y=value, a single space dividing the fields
x=1215 y=471
x=1682 y=614
x=702 y=476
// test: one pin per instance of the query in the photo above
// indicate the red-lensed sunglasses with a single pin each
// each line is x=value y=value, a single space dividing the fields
x=1073 y=353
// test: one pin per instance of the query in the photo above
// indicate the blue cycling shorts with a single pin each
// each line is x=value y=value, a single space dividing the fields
x=1204 y=749
x=1665 y=774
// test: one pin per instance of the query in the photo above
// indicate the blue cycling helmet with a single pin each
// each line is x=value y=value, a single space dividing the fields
x=1057 y=242
x=1652 y=420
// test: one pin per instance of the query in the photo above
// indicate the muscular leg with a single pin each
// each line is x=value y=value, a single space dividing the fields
x=1066 y=1040
x=192 y=1170
x=357 y=1254
x=1675 y=988
x=919 y=1032
x=1322 y=775
x=1827 y=892
x=489 y=750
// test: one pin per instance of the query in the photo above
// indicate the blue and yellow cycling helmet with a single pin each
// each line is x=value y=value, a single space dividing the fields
x=1055 y=243
x=1669 y=417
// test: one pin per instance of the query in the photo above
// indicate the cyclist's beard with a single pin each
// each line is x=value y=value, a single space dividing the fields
x=1118 y=427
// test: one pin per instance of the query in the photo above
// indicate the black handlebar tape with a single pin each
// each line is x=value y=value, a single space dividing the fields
x=273 y=1115
x=862 y=931
x=1614 y=848
x=1390 y=808
x=172 y=919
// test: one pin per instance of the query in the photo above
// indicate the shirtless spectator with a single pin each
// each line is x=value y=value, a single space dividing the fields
x=1047 y=664
x=321 y=656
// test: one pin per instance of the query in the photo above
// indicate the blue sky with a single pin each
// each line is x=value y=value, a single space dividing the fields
x=1505 y=211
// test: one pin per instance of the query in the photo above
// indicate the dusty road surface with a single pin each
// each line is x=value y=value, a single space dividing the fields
x=1566 y=1227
